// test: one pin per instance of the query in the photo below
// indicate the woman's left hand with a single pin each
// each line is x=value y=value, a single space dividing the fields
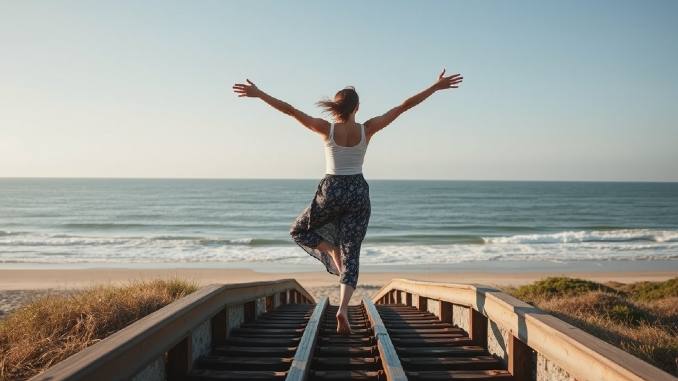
x=248 y=89
x=450 y=82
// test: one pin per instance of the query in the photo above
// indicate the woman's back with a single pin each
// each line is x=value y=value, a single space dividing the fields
x=345 y=149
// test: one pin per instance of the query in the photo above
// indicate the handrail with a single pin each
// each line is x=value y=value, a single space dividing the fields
x=128 y=351
x=582 y=355
x=389 y=358
x=302 y=358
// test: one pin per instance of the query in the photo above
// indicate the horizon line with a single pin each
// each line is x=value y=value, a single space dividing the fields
x=318 y=178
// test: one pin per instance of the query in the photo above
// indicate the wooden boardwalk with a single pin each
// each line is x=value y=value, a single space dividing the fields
x=410 y=330
x=430 y=349
x=421 y=345
x=260 y=350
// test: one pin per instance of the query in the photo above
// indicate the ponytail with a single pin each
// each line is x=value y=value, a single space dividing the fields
x=344 y=103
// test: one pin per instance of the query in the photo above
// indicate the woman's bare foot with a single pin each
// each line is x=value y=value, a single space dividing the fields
x=343 y=326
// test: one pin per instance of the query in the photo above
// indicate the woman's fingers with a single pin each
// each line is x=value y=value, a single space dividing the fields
x=441 y=74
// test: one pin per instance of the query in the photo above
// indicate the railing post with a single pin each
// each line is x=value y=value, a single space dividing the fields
x=180 y=360
x=478 y=327
x=422 y=303
x=250 y=311
x=519 y=363
x=220 y=327
x=446 y=312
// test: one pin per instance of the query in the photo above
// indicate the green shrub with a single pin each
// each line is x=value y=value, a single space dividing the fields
x=650 y=291
x=558 y=286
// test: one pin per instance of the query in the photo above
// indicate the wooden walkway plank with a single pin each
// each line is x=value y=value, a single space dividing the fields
x=389 y=358
x=302 y=358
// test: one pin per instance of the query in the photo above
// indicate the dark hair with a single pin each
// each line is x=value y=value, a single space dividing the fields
x=344 y=103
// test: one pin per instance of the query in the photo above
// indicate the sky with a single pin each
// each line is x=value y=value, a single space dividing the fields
x=553 y=90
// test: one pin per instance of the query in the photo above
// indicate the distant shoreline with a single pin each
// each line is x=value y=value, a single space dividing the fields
x=314 y=276
x=497 y=267
x=320 y=176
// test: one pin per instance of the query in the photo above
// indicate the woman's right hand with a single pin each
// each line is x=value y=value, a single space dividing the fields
x=248 y=89
x=450 y=82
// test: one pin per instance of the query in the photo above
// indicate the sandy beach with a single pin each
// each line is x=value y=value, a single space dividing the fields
x=18 y=286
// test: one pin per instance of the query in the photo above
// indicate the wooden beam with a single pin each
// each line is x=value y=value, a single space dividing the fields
x=478 y=328
x=270 y=303
x=301 y=365
x=180 y=360
x=250 y=311
x=519 y=360
x=220 y=327
x=389 y=358
x=446 y=312
x=422 y=303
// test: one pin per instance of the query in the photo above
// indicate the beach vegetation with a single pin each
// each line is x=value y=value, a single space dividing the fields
x=53 y=327
x=557 y=287
x=640 y=318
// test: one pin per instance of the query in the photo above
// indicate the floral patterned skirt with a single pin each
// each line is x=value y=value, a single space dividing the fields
x=339 y=214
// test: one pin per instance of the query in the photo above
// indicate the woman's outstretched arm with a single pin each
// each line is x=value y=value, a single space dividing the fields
x=249 y=89
x=377 y=123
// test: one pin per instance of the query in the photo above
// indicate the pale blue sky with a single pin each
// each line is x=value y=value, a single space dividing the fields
x=568 y=90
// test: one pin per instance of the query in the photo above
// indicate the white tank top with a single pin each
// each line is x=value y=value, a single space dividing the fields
x=340 y=160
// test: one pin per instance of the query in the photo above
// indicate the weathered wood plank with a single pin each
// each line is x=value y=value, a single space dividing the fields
x=475 y=375
x=389 y=357
x=301 y=364
x=519 y=359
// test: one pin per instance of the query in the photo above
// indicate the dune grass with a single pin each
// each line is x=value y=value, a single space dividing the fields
x=53 y=327
x=640 y=318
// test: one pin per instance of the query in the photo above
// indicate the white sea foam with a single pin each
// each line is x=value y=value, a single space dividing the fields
x=560 y=247
x=621 y=235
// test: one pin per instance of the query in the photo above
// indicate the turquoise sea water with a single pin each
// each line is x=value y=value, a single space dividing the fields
x=413 y=222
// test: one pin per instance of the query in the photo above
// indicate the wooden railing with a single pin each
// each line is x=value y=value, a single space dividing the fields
x=164 y=344
x=522 y=334
x=303 y=357
x=389 y=358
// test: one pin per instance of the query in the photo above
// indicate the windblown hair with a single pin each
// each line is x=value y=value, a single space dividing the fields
x=344 y=103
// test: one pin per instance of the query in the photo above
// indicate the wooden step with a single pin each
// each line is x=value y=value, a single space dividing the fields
x=344 y=375
x=474 y=375
x=451 y=363
x=238 y=375
x=244 y=363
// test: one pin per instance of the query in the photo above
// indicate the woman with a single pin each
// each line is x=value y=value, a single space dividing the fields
x=332 y=228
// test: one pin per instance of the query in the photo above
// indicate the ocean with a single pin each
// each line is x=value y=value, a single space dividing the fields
x=163 y=221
